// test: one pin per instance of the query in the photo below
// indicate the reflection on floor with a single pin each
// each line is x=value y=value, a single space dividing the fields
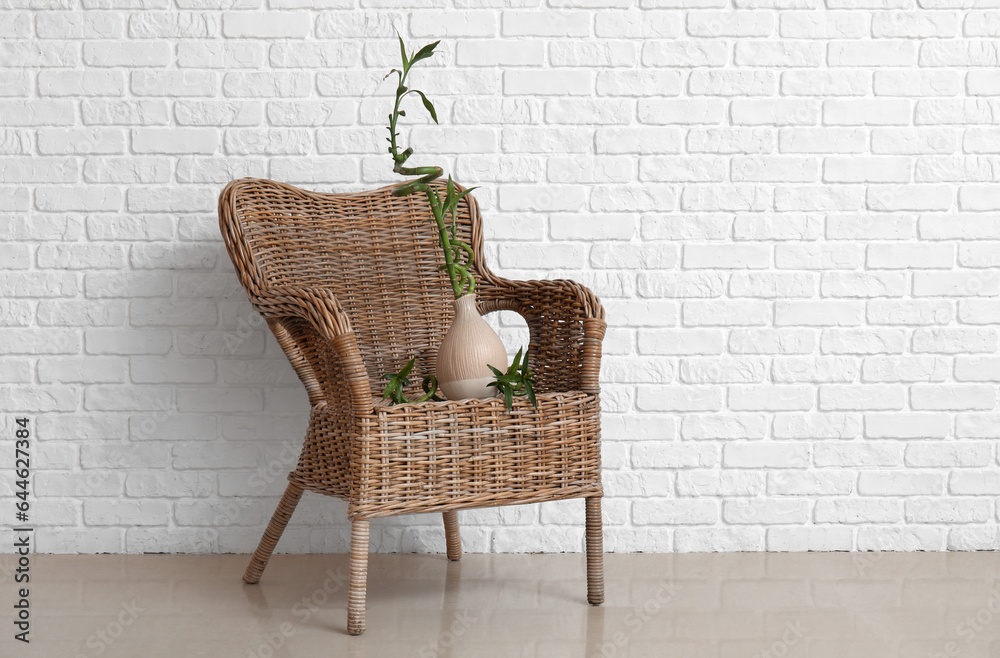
x=736 y=605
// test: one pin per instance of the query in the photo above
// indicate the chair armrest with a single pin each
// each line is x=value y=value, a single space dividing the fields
x=567 y=327
x=320 y=308
x=317 y=305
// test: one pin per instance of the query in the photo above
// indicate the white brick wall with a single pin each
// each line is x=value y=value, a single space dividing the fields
x=790 y=211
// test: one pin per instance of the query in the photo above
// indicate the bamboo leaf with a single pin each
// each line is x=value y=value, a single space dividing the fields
x=465 y=193
x=428 y=105
x=424 y=52
x=402 y=51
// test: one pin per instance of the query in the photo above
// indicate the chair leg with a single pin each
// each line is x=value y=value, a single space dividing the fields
x=595 y=553
x=452 y=535
x=273 y=533
x=359 y=578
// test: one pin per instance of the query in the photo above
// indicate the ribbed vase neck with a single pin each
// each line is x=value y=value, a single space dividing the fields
x=465 y=305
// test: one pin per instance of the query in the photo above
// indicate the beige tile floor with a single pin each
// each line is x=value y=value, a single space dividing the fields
x=737 y=605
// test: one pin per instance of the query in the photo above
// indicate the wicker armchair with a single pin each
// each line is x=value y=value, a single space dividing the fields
x=349 y=285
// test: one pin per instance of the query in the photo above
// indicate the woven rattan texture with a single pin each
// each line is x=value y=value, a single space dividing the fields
x=351 y=289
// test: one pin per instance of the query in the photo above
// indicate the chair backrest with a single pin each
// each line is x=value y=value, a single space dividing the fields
x=377 y=253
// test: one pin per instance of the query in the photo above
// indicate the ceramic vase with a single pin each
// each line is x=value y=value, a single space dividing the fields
x=467 y=348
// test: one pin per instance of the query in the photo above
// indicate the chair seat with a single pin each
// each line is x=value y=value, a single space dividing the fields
x=437 y=456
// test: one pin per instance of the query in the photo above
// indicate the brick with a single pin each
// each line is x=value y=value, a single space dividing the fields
x=867 y=170
x=955 y=284
x=699 y=540
x=810 y=539
x=174 y=140
x=907 y=426
x=714 y=483
x=125 y=112
x=832 y=83
x=905 y=369
x=816 y=426
x=912 y=24
x=872 y=53
x=875 y=112
x=220 y=54
x=953 y=397
x=726 y=257
x=547 y=83
x=80 y=313
x=818 y=369
x=256 y=84
x=775 y=112
x=915 y=256
x=962 y=454
x=771 y=341
x=270 y=25
x=771 y=285
x=219 y=113
x=863 y=341
x=602 y=53
x=675 y=512
x=826 y=313
x=680 y=342
x=822 y=140
x=715 y=427
x=489 y=52
x=899 y=483
x=126 y=53
x=766 y=512
x=778 y=54
x=77 y=83
x=765 y=455
x=914 y=141
x=823 y=25
x=857 y=510
x=684 y=53
x=870 y=454
x=916 y=83
x=652 y=82
x=861 y=397
x=77 y=141
x=177 y=25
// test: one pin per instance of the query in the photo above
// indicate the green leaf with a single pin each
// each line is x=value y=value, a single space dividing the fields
x=496 y=371
x=402 y=51
x=530 y=392
x=508 y=399
x=424 y=52
x=428 y=105
x=517 y=361
x=464 y=193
